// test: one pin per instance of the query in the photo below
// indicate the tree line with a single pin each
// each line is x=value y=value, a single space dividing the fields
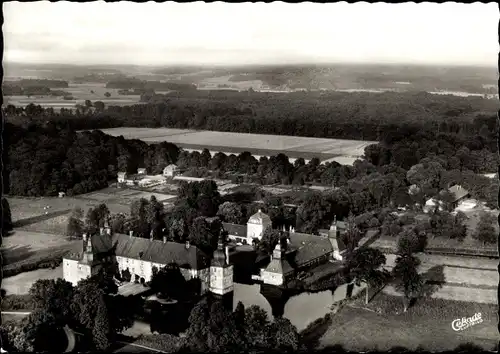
x=51 y=158
x=363 y=116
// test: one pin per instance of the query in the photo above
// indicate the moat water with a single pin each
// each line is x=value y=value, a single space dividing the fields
x=301 y=309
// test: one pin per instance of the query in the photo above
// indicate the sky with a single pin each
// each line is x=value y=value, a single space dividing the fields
x=250 y=33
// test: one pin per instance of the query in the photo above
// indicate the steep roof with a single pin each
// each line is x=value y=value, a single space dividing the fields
x=158 y=252
x=152 y=250
x=309 y=247
x=235 y=229
x=171 y=167
x=458 y=192
x=279 y=266
x=259 y=218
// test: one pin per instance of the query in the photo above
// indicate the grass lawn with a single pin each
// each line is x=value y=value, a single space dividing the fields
x=382 y=325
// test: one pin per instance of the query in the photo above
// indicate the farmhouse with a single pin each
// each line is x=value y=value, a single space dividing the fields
x=458 y=193
x=138 y=257
x=171 y=171
x=122 y=177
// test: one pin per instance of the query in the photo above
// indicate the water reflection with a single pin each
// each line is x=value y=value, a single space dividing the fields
x=301 y=309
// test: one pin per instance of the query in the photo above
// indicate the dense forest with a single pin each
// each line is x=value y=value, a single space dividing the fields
x=46 y=155
x=364 y=116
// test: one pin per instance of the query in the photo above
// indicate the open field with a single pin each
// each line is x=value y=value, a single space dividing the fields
x=21 y=283
x=293 y=146
x=427 y=324
x=39 y=231
x=32 y=214
x=80 y=92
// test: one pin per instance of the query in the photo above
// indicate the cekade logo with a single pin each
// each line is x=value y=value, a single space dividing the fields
x=465 y=322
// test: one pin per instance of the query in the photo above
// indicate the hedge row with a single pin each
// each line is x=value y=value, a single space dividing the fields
x=32 y=264
x=17 y=302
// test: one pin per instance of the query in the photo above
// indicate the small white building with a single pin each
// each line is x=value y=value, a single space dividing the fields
x=256 y=226
x=141 y=171
x=171 y=171
x=122 y=177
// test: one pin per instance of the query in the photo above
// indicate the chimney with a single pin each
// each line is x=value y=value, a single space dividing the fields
x=131 y=233
x=84 y=236
x=187 y=245
x=164 y=239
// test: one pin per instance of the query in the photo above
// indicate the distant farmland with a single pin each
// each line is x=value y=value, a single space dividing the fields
x=80 y=92
x=257 y=144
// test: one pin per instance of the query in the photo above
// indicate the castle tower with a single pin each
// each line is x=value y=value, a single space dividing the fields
x=333 y=237
x=88 y=253
x=256 y=225
x=221 y=274
x=279 y=269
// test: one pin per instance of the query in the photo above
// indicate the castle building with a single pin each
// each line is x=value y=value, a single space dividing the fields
x=140 y=255
x=295 y=253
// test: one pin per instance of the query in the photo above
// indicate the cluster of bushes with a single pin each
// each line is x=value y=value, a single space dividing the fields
x=17 y=302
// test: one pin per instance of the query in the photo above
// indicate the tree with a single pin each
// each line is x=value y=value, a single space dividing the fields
x=75 y=225
x=231 y=212
x=352 y=234
x=269 y=240
x=363 y=265
x=284 y=335
x=198 y=328
x=485 y=230
x=96 y=218
x=239 y=319
x=41 y=332
x=54 y=297
x=257 y=327
x=107 y=94
x=99 y=106
x=169 y=282
x=88 y=103
x=6 y=216
x=139 y=213
x=410 y=242
x=101 y=331
x=117 y=223
x=312 y=213
x=408 y=281
x=222 y=334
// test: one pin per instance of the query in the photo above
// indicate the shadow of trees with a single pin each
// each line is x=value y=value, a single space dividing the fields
x=40 y=218
x=16 y=254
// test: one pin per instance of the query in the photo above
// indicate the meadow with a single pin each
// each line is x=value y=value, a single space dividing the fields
x=39 y=235
x=381 y=325
x=259 y=144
